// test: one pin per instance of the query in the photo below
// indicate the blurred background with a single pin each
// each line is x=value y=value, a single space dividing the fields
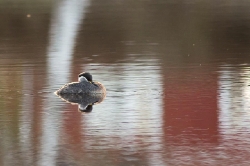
x=176 y=74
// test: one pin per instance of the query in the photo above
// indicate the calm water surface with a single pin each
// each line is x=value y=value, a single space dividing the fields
x=177 y=77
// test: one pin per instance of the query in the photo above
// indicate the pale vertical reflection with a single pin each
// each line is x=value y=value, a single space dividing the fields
x=131 y=110
x=64 y=27
x=65 y=24
x=234 y=101
x=27 y=115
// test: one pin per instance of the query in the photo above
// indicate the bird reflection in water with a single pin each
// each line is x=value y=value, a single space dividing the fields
x=85 y=101
x=85 y=92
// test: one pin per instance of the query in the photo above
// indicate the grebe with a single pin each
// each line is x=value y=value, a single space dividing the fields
x=85 y=85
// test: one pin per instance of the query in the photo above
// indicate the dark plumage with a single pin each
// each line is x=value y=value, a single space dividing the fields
x=85 y=86
x=87 y=75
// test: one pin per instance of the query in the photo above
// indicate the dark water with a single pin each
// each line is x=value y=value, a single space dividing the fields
x=177 y=76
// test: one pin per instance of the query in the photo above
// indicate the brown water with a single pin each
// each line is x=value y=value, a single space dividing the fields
x=177 y=76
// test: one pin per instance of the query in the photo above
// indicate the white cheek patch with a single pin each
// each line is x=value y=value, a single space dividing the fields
x=82 y=107
x=81 y=79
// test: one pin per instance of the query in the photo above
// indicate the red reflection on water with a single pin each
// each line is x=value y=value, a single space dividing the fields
x=72 y=126
x=190 y=106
